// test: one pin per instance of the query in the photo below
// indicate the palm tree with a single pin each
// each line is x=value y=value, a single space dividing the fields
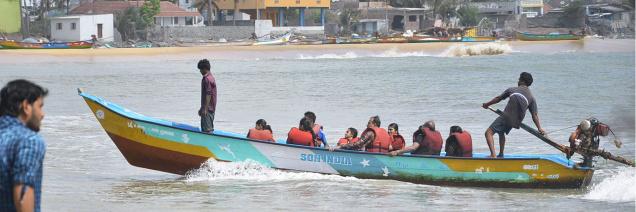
x=206 y=5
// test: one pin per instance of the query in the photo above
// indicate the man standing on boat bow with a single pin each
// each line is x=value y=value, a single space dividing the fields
x=520 y=100
x=208 y=97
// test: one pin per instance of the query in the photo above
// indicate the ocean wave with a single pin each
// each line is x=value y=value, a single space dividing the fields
x=619 y=187
x=462 y=50
x=213 y=170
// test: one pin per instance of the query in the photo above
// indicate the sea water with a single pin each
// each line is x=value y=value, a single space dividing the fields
x=84 y=170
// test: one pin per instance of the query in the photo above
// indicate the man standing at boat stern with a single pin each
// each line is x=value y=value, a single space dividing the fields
x=21 y=148
x=208 y=97
x=520 y=99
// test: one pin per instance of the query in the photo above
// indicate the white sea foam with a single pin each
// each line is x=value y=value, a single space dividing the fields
x=348 y=55
x=462 y=50
x=619 y=187
x=213 y=170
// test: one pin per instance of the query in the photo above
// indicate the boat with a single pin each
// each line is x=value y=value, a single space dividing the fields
x=356 y=40
x=177 y=148
x=8 y=44
x=284 y=39
x=393 y=40
x=478 y=39
x=546 y=37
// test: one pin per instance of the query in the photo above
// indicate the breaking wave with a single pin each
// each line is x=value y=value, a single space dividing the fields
x=619 y=187
x=213 y=170
x=459 y=50
x=477 y=50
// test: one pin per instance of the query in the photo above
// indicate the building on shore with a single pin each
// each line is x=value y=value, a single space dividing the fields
x=10 y=20
x=169 y=14
x=82 y=27
x=283 y=13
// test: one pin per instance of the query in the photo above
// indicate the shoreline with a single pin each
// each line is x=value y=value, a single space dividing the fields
x=294 y=51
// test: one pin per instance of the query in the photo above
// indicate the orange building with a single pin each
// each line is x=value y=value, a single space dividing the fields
x=275 y=10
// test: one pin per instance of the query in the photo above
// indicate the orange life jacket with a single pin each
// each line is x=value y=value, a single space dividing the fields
x=431 y=144
x=263 y=135
x=381 y=142
x=344 y=141
x=398 y=142
x=296 y=136
x=465 y=143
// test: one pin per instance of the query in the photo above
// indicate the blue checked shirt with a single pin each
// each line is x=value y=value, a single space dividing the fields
x=21 y=155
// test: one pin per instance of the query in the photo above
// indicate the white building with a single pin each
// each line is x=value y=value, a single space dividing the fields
x=81 y=27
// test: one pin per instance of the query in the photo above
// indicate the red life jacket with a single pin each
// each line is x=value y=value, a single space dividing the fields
x=344 y=141
x=382 y=140
x=296 y=136
x=465 y=143
x=263 y=135
x=398 y=142
x=431 y=144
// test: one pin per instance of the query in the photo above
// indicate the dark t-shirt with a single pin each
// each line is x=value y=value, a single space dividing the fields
x=208 y=87
x=520 y=100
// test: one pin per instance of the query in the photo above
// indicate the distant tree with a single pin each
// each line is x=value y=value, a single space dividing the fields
x=468 y=15
x=573 y=14
x=127 y=22
x=347 y=17
x=148 y=11
x=206 y=5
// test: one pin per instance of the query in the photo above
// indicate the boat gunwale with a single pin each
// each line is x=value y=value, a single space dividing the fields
x=90 y=97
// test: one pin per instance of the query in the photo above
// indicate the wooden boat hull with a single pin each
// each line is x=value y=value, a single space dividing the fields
x=50 y=45
x=546 y=37
x=393 y=40
x=279 y=41
x=176 y=148
x=438 y=40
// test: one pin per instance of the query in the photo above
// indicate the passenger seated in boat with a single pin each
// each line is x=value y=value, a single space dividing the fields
x=351 y=136
x=320 y=135
x=459 y=143
x=262 y=131
x=587 y=136
x=374 y=138
x=398 y=140
x=303 y=135
x=426 y=141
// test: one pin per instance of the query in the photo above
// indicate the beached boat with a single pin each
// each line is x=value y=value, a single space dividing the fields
x=278 y=41
x=546 y=37
x=356 y=40
x=177 y=148
x=393 y=40
x=50 y=45
x=478 y=39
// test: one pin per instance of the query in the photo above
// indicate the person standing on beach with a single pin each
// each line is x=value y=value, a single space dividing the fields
x=21 y=148
x=520 y=100
x=208 y=97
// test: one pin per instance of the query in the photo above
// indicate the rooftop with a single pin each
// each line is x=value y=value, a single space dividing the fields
x=168 y=9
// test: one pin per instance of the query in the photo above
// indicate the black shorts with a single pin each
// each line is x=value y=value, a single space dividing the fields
x=207 y=122
x=499 y=126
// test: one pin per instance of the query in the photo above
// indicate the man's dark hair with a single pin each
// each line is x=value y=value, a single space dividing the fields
x=526 y=78
x=15 y=92
x=394 y=126
x=456 y=129
x=261 y=122
x=204 y=64
x=376 y=120
x=311 y=115
x=353 y=131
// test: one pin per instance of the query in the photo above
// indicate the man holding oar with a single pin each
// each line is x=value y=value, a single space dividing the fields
x=520 y=100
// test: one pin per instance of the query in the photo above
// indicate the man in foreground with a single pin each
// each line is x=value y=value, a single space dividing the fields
x=21 y=148
x=208 y=97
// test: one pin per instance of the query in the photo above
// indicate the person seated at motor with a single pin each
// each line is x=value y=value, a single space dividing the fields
x=374 y=138
x=318 y=129
x=426 y=141
x=351 y=136
x=398 y=140
x=459 y=143
x=262 y=131
x=587 y=137
x=303 y=134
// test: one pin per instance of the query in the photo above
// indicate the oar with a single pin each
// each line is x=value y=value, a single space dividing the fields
x=566 y=149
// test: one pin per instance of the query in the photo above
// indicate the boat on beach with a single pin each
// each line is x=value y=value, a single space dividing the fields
x=546 y=37
x=284 y=39
x=8 y=44
x=178 y=148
